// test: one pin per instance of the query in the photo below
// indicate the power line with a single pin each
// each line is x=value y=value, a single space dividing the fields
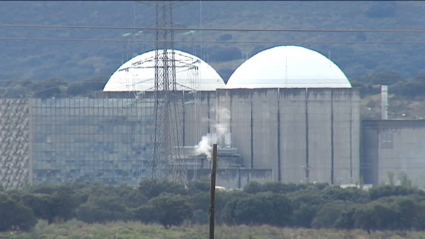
x=44 y=54
x=216 y=29
x=222 y=42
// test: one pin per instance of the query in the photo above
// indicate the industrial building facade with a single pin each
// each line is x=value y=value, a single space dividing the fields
x=274 y=121
x=107 y=139
x=304 y=135
x=102 y=139
x=110 y=139
x=393 y=147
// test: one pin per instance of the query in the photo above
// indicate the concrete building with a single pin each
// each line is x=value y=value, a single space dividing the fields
x=294 y=111
x=89 y=139
x=287 y=114
x=196 y=82
x=393 y=146
x=196 y=89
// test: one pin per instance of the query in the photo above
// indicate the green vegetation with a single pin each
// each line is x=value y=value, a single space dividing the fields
x=311 y=206
x=37 y=59
x=68 y=69
x=133 y=230
x=23 y=88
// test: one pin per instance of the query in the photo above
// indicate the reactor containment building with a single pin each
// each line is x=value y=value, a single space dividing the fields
x=287 y=114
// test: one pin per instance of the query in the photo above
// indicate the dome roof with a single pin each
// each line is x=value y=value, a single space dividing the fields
x=288 y=67
x=138 y=74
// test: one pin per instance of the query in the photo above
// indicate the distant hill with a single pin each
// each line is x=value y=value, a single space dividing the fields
x=75 y=61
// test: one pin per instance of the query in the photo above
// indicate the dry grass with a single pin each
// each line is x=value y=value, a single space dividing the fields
x=132 y=230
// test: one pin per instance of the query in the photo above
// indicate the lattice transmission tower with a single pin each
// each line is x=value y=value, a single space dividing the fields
x=166 y=147
x=165 y=159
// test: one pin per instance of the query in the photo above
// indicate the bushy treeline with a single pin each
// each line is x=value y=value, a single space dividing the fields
x=403 y=87
x=53 y=87
x=167 y=203
x=368 y=84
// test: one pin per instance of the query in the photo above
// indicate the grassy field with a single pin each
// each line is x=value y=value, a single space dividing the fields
x=133 y=230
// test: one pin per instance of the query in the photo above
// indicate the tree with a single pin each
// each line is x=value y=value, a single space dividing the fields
x=153 y=188
x=59 y=205
x=352 y=194
x=346 y=219
x=229 y=212
x=134 y=199
x=200 y=217
x=75 y=89
x=264 y=208
x=388 y=191
x=407 y=210
x=304 y=215
x=15 y=215
x=198 y=186
x=171 y=210
x=419 y=223
x=328 y=214
x=48 y=88
x=223 y=54
x=87 y=86
x=16 y=91
x=253 y=187
x=18 y=81
x=384 y=78
x=309 y=197
x=376 y=216
x=146 y=214
x=103 y=209
x=278 y=187
x=405 y=181
x=95 y=84
x=65 y=203
x=391 y=178
x=40 y=204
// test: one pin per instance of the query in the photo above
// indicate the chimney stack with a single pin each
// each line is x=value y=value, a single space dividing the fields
x=384 y=102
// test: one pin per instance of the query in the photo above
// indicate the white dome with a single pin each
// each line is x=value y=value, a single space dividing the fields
x=288 y=67
x=138 y=74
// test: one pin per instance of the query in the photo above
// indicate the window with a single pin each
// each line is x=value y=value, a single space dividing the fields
x=386 y=141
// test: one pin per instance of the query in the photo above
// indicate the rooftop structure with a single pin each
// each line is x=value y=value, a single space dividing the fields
x=138 y=74
x=288 y=67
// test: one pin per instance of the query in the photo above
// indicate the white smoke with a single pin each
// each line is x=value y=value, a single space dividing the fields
x=205 y=145
x=223 y=127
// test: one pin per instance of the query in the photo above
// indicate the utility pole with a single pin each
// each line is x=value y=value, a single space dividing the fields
x=212 y=201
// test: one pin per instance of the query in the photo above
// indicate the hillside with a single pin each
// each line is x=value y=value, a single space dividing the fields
x=77 y=60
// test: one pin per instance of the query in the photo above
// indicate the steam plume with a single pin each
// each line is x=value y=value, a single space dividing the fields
x=205 y=145
x=223 y=127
